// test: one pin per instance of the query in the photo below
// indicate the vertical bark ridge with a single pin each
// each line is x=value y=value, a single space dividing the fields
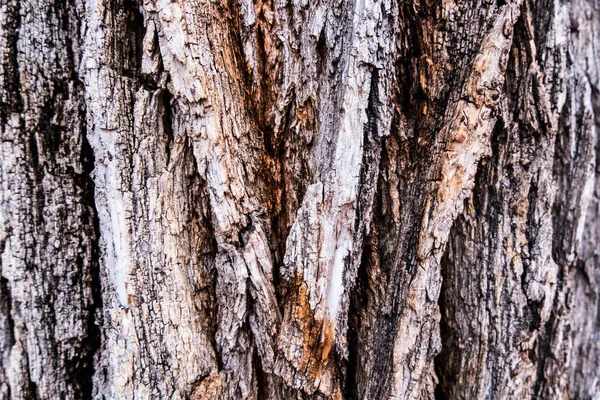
x=572 y=347
x=523 y=238
x=46 y=212
x=409 y=306
x=157 y=241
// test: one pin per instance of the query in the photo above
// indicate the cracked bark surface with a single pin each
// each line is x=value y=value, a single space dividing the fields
x=289 y=199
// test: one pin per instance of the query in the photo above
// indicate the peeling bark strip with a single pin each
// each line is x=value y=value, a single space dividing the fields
x=278 y=199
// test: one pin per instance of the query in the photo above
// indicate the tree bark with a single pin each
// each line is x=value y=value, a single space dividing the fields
x=281 y=199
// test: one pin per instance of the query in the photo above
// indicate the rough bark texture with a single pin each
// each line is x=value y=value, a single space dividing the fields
x=284 y=199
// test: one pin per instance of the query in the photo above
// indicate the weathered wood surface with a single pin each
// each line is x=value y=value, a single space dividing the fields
x=300 y=199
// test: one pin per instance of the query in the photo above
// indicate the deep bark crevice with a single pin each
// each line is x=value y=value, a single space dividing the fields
x=131 y=52
x=449 y=356
x=167 y=123
x=93 y=342
x=11 y=100
x=465 y=235
x=359 y=298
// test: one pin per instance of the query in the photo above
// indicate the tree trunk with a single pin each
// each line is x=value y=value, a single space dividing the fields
x=281 y=199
